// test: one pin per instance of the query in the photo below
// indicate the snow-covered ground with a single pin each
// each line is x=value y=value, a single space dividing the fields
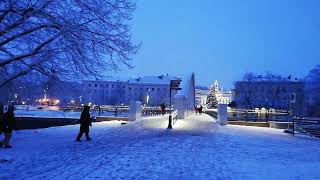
x=197 y=148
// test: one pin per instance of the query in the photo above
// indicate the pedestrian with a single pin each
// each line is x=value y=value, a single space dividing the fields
x=196 y=109
x=163 y=108
x=85 y=122
x=200 y=109
x=8 y=125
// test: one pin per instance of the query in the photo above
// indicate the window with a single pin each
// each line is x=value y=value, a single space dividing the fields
x=129 y=88
x=158 y=89
x=107 y=85
x=89 y=84
x=95 y=85
x=112 y=86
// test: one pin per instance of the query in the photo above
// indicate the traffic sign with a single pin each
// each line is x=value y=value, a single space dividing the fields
x=293 y=97
x=175 y=83
x=176 y=88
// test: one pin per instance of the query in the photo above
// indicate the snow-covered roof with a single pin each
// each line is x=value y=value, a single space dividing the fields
x=108 y=79
x=153 y=79
x=161 y=79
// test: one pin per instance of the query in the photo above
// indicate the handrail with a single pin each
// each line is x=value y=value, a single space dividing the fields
x=174 y=116
x=308 y=126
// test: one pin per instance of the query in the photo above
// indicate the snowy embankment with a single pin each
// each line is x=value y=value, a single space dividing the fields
x=197 y=148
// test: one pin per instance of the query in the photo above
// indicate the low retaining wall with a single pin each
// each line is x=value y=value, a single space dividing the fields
x=212 y=113
x=101 y=118
x=244 y=123
x=271 y=124
x=280 y=125
x=37 y=122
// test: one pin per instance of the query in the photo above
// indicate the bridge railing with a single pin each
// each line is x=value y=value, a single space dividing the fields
x=153 y=111
x=115 y=110
x=258 y=115
x=174 y=116
x=307 y=126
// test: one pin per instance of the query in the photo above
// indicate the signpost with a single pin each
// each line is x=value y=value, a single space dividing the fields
x=174 y=85
x=293 y=99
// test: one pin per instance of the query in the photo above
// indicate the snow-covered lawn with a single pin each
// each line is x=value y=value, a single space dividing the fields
x=197 y=148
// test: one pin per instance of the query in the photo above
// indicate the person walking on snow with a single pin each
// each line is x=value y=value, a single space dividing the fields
x=200 y=109
x=8 y=125
x=163 y=108
x=85 y=122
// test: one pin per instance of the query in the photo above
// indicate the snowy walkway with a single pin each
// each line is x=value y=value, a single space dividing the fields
x=197 y=148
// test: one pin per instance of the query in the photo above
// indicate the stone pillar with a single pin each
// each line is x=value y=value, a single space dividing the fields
x=135 y=110
x=180 y=105
x=222 y=114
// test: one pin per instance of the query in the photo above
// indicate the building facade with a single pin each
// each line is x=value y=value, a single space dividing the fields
x=201 y=96
x=275 y=94
x=150 y=90
x=223 y=96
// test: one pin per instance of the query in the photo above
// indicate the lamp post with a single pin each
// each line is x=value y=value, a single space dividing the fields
x=292 y=100
x=174 y=85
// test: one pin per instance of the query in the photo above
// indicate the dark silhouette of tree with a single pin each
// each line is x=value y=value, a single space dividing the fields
x=313 y=92
x=66 y=39
x=249 y=89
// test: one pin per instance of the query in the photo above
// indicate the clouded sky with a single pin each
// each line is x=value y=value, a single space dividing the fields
x=223 y=39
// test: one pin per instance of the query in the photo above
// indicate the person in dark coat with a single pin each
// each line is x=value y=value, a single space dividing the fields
x=8 y=125
x=200 y=109
x=196 y=109
x=163 y=108
x=85 y=122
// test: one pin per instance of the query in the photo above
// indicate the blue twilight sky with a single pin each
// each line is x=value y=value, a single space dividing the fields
x=223 y=39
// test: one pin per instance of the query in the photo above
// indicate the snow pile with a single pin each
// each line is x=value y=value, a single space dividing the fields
x=197 y=148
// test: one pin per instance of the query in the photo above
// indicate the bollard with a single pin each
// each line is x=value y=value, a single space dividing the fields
x=135 y=111
x=170 y=122
x=222 y=114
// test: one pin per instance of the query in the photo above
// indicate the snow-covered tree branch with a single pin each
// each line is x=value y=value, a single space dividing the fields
x=66 y=39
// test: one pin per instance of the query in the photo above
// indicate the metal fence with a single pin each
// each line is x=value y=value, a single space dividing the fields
x=258 y=115
x=307 y=126
x=124 y=110
x=154 y=111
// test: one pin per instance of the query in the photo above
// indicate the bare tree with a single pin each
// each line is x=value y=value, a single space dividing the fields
x=250 y=96
x=313 y=92
x=64 y=39
x=249 y=89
